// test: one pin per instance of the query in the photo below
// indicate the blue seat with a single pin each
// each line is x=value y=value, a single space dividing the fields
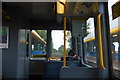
x=52 y=68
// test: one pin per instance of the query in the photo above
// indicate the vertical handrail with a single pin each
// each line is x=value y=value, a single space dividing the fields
x=64 y=57
x=64 y=18
x=100 y=42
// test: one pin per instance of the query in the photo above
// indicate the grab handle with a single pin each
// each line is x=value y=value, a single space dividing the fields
x=100 y=42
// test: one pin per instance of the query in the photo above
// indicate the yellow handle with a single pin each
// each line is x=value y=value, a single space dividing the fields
x=52 y=58
x=100 y=42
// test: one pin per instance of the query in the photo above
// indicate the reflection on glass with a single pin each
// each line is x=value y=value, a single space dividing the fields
x=116 y=53
x=90 y=44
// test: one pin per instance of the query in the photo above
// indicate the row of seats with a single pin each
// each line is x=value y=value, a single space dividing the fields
x=52 y=68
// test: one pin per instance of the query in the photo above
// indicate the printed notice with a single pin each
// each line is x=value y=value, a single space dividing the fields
x=3 y=37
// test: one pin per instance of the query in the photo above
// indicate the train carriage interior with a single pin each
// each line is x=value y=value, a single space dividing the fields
x=89 y=47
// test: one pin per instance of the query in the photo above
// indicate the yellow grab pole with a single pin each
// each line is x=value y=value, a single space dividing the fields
x=64 y=57
x=100 y=42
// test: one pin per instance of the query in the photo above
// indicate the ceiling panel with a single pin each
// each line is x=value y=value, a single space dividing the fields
x=36 y=10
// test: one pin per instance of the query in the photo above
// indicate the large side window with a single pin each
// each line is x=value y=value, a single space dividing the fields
x=114 y=18
x=90 y=44
x=116 y=52
x=39 y=41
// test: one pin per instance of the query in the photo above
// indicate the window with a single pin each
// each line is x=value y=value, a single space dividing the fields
x=116 y=53
x=116 y=10
x=115 y=34
x=58 y=43
x=39 y=38
x=90 y=43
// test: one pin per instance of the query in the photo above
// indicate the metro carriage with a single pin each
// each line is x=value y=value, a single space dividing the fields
x=95 y=40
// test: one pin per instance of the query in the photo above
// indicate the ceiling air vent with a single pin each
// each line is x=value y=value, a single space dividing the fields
x=87 y=4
